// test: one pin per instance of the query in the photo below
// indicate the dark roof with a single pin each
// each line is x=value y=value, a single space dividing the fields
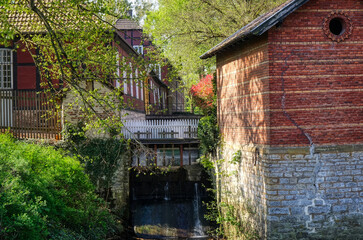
x=258 y=26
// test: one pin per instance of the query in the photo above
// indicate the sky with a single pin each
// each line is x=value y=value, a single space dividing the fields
x=154 y=2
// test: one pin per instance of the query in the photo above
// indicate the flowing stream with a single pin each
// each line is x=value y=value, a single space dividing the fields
x=198 y=228
x=168 y=210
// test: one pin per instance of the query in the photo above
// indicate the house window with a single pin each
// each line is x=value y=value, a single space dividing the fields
x=338 y=26
x=6 y=69
x=125 y=81
x=117 y=69
x=157 y=69
x=124 y=75
x=137 y=83
x=131 y=82
x=142 y=91
x=152 y=89
x=164 y=99
x=139 y=49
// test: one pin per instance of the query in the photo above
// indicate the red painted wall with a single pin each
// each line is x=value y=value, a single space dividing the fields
x=26 y=77
x=26 y=70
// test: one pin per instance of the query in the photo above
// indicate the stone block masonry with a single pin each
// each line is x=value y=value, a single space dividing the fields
x=121 y=185
x=316 y=191
x=296 y=194
x=291 y=101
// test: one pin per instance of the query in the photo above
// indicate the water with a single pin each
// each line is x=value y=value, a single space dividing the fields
x=198 y=228
x=176 y=212
x=166 y=190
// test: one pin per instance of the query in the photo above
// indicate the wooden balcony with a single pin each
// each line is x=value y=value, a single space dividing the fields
x=162 y=131
x=29 y=114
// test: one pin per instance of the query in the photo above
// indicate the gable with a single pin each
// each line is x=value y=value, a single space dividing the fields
x=258 y=26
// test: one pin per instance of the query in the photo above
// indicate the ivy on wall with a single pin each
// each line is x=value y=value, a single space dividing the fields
x=101 y=157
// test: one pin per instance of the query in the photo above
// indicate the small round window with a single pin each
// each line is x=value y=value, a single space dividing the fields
x=337 y=26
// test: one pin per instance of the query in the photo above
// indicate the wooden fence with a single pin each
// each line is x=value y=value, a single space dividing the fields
x=29 y=114
x=161 y=129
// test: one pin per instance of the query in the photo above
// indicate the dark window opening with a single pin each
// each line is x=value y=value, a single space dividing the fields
x=337 y=26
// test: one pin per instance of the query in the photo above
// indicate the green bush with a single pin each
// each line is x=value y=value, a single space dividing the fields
x=208 y=133
x=45 y=194
x=101 y=158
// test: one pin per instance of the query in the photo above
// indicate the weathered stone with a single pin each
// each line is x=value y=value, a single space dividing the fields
x=278 y=211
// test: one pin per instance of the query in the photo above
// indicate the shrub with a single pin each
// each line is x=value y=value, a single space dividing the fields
x=208 y=133
x=203 y=94
x=101 y=157
x=45 y=194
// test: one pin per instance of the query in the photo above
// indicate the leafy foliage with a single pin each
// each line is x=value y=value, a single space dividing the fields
x=208 y=129
x=100 y=156
x=232 y=219
x=73 y=45
x=45 y=194
x=185 y=29
x=208 y=133
x=203 y=94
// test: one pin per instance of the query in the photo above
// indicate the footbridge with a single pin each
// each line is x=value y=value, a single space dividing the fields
x=172 y=140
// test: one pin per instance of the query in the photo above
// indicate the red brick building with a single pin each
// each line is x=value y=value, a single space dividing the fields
x=173 y=98
x=290 y=97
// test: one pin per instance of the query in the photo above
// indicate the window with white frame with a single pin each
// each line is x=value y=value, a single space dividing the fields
x=152 y=88
x=164 y=99
x=6 y=68
x=158 y=95
x=137 y=83
x=117 y=69
x=157 y=69
x=142 y=91
x=125 y=81
x=155 y=94
x=139 y=49
x=131 y=81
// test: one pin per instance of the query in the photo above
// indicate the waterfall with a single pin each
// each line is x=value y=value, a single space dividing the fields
x=167 y=207
x=198 y=229
x=166 y=192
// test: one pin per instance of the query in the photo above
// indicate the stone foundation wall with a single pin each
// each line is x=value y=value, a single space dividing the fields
x=298 y=193
x=243 y=187
x=310 y=193
x=132 y=115
x=121 y=186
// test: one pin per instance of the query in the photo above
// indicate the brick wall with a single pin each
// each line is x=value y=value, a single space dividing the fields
x=242 y=85
x=320 y=78
x=291 y=101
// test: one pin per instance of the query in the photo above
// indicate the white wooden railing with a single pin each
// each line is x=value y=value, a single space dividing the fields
x=161 y=129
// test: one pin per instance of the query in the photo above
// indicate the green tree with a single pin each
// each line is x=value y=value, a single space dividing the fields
x=185 y=29
x=72 y=41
